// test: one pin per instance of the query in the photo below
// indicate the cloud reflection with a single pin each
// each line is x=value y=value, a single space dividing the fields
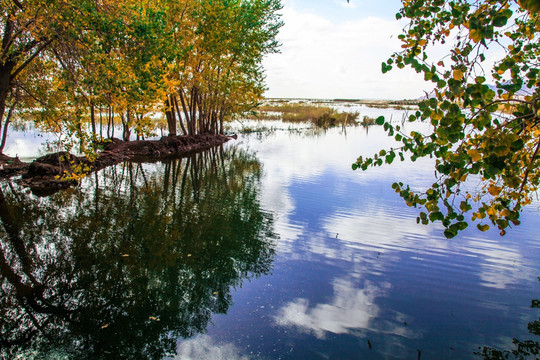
x=500 y=263
x=204 y=347
x=383 y=232
x=351 y=311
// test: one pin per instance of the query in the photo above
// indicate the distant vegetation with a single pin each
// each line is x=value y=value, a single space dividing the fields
x=322 y=116
x=367 y=120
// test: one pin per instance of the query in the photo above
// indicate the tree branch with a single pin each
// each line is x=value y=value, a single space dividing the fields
x=31 y=58
x=18 y=4
x=525 y=177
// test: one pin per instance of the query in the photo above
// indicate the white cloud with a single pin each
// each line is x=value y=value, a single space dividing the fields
x=321 y=58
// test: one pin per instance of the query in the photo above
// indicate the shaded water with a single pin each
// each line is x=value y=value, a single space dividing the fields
x=270 y=248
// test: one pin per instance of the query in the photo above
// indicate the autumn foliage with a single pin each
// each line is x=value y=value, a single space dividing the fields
x=85 y=68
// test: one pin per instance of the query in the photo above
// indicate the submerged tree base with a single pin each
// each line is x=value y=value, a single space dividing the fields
x=50 y=173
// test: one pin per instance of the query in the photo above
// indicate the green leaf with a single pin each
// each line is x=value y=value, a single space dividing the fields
x=500 y=21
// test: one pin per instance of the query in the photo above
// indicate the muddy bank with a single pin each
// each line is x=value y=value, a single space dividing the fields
x=44 y=175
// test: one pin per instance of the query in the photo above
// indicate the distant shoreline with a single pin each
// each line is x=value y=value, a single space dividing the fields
x=377 y=102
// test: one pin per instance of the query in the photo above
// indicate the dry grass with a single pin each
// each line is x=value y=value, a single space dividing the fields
x=366 y=121
x=322 y=116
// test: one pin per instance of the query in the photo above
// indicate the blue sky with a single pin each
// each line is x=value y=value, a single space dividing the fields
x=331 y=49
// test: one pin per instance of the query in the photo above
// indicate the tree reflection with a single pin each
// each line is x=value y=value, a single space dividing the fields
x=137 y=257
x=522 y=350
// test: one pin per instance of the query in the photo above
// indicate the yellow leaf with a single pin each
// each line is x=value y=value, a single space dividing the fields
x=475 y=35
x=474 y=154
x=436 y=116
x=457 y=75
x=494 y=190
x=422 y=42
x=505 y=212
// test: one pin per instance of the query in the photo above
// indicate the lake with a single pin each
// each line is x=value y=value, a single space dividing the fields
x=270 y=247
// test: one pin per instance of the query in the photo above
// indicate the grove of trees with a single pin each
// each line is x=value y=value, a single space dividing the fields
x=482 y=134
x=81 y=67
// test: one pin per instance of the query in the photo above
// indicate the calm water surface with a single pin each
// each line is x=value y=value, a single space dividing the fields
x=270 y=248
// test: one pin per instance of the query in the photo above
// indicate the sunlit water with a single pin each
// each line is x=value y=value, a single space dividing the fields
x=272 y=248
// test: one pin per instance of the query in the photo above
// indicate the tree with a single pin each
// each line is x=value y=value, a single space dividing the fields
x=66 y=61
x=32 y=32
x=481 y=132
x=218 y=72
x=114 y=65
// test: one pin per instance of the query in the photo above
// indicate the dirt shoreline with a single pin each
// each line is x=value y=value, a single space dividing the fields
x=42 y=174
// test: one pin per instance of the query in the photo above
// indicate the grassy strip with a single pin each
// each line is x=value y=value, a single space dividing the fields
x=319 y=115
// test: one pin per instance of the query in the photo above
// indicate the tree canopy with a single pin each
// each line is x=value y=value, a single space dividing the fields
x=71 y=63
x=484 y=110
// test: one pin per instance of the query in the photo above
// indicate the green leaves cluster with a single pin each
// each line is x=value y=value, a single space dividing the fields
x=480 y=132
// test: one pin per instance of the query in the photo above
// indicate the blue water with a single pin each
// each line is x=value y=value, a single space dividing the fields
x=283 y=252
x=355 y=276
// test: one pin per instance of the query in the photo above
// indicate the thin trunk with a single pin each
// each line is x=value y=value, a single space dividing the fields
x=112 y=122
x=221 y=116
x=171 y=116
x=93 y=119
x=126 y=122
x=100 y=124
x=178 y=112
x=6 y=125
x=194 y=108
x=109 y=120
x=186 y=112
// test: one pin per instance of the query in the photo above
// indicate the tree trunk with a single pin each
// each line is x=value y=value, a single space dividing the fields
x=6 y=126
x=186 y=112
x=126 y=122
x=178 y=112
x=5 y=86
x=100 y=123
x=93 y=119
x=171 y=116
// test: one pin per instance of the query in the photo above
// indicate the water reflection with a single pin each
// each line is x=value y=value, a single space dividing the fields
x=519 y=349
x=351 y=310
x=357 y=277
x=353 y=275
x=140 y=255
